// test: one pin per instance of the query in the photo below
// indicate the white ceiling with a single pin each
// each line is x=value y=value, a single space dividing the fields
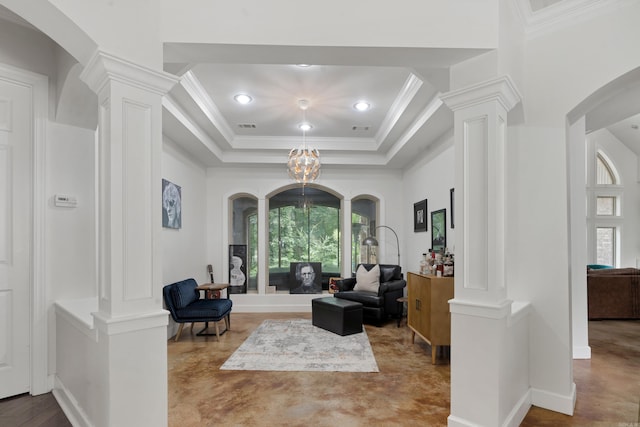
x=402 y=85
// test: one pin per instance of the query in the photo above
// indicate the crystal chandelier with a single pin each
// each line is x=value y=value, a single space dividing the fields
x=304 y=162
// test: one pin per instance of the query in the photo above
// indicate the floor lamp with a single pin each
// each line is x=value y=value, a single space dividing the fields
x=370 y=247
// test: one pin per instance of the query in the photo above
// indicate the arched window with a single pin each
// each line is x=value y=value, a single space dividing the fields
x=605 y=211
x=244 y=238
x=303 y=228
x=604 y=173
x=363 y=223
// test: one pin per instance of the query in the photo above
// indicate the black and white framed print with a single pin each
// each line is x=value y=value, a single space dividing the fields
x=171 y=205
x=420 y=216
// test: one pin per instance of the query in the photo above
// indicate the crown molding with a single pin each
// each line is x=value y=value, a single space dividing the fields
x=408 y=92
x=501 y=89
x=199 y=95
x=434 y=105
x=288 y=142
x=104 y=67
x=561 y=14
x=181 y=116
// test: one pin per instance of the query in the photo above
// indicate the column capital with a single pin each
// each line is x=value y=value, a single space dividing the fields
x=104 y=67
x=501 y=89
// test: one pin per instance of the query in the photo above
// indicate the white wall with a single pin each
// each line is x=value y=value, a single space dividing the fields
x=184 y=250
x=430 y=177
x=184 y=253
x=626 y=163
x=71 y=232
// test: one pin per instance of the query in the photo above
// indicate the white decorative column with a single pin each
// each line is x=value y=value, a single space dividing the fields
x=347 y=231
x=131 y=380
x=480 y=308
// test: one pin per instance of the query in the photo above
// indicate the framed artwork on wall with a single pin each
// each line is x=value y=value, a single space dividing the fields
x=305 y=278
x=420 y=216
x=171 y=205
x=439 y=230
x=237 y=269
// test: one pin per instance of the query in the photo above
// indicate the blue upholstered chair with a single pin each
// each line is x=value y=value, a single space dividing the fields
x=185 y=305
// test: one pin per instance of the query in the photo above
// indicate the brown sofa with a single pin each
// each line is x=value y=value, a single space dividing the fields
x=613 y=293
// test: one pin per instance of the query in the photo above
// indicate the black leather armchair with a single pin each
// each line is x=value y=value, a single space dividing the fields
x=376 y=308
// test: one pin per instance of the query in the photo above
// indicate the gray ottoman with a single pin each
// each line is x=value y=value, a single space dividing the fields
x=340 y=316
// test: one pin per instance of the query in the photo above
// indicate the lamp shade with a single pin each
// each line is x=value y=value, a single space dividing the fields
x=369 y=251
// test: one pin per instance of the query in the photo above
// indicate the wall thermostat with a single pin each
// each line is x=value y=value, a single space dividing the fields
x=65 y=201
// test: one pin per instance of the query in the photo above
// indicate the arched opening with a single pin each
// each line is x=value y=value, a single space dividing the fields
x=608 y=105
x=364 y=218
x=243 y=241
x=303 y=227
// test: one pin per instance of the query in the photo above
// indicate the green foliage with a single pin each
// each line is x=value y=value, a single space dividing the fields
x=304 y=234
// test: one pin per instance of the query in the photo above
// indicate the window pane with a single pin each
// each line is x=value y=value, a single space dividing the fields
x=252 y=252
x=604 y=176
x=303 y=228
x=605 y=205
x=244 y=231
x=605 y=244
x=363 y=222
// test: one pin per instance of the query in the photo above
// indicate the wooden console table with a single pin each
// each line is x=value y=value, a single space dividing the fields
x=428 y=309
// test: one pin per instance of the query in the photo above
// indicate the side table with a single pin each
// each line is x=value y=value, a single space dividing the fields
x=212 y=291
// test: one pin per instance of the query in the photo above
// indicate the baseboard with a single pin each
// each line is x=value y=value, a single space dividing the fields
x=553 y=401
x=514 y=418
x=519 y=411
x=453 y=421
x=582 y=352
x=69 y=405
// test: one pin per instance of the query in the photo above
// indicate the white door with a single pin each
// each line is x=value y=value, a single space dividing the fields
x=15 y=236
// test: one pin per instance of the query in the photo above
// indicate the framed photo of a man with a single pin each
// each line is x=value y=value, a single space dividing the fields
x=439 y=230
x=420 y=216
x=171 y=205
x=305 y=278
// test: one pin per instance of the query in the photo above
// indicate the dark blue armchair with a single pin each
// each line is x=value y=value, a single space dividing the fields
x=185 y=305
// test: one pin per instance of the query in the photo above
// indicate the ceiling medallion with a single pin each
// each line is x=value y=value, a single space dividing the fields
x=304 y=162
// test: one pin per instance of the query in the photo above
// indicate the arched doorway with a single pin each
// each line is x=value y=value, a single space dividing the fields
x=605 y=106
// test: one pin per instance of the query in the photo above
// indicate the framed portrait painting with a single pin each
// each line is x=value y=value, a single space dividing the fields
x=420 y=216
x=439 y=230
x=171 y=205
x=305 y=278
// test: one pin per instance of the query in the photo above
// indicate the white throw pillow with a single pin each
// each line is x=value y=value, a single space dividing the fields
x=368 y=280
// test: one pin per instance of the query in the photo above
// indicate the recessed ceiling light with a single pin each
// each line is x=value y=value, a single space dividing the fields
x=303 y=65
x=362 y=105
x=305 y=126
x=243 y=98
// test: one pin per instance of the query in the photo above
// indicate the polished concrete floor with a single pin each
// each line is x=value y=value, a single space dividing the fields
x=408 y=390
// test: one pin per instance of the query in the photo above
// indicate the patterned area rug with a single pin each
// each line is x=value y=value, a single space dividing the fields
x=297 y=345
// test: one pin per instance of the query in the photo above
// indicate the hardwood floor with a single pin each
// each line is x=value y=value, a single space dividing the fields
x=408 y=390
x=32 y=411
